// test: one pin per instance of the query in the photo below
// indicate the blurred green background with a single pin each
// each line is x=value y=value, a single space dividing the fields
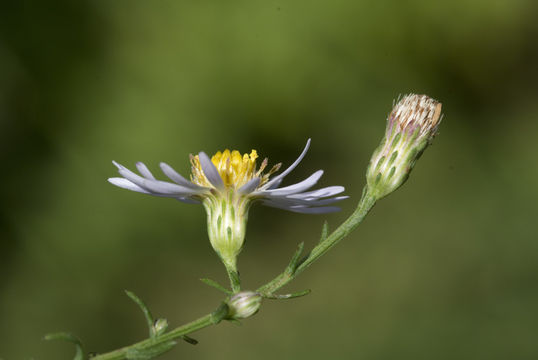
x=445 y=268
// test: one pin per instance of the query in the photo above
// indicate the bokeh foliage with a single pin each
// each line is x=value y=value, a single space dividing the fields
x=445 y=268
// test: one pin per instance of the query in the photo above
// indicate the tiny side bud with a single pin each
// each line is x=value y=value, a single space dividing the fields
x=411 y=127
x=160 y=326
x=243 y=305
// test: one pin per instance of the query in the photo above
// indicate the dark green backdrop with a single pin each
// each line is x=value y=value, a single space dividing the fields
x=445 y=268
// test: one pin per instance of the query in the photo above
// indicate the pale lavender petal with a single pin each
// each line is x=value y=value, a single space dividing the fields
x=250 y=186
x=303 y=202
x=156 y=186
x=277 y=183
x=132 y=177
x=188 y=200
x=303 y=209
x=126 y=184
x=119 y=166
x=319 y=193
x=143 y=169
x=295 y=188
x=278 y=179
x=316 y=210
x=210 y=171
x=176 y=177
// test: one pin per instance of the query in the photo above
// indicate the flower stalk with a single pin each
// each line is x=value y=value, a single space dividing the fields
x=226 y=227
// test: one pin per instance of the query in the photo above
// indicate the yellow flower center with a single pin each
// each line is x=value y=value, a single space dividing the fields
x=234 y=169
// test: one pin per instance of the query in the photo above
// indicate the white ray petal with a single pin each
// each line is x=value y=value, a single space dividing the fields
x=143 y=169
x=210 y=171
x=177 y=178
x=278 y=179
x=295 y=188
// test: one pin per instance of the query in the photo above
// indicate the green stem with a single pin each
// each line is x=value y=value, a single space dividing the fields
x=365 y=205
x=235 y=282
x=233 y=274
x=200 y=323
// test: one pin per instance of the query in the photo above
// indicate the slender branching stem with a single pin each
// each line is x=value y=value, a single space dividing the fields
x=295 y=268
x=200 y=323
x=365 y=204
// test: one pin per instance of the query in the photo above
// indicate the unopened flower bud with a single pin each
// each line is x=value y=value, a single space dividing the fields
x=244 y=304
x=411 y=126
x=160 y=326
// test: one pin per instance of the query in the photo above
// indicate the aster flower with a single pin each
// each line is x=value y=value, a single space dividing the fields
x=411 y=127
x=226 y=185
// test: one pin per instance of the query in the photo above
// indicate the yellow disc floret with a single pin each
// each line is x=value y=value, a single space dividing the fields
x=234 y=169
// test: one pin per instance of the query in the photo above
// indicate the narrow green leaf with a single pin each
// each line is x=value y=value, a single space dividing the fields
x=149 y=352
x=145 y=310
x=324 y=231
x=235 y=322
x=292 y=266
x=216 y=285
x=79 y=354
x=220 y=314
x=287 y=296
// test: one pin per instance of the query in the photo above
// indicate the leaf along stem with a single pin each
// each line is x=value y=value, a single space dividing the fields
x=295 y=267
x=148 y=344
x=327 y=242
